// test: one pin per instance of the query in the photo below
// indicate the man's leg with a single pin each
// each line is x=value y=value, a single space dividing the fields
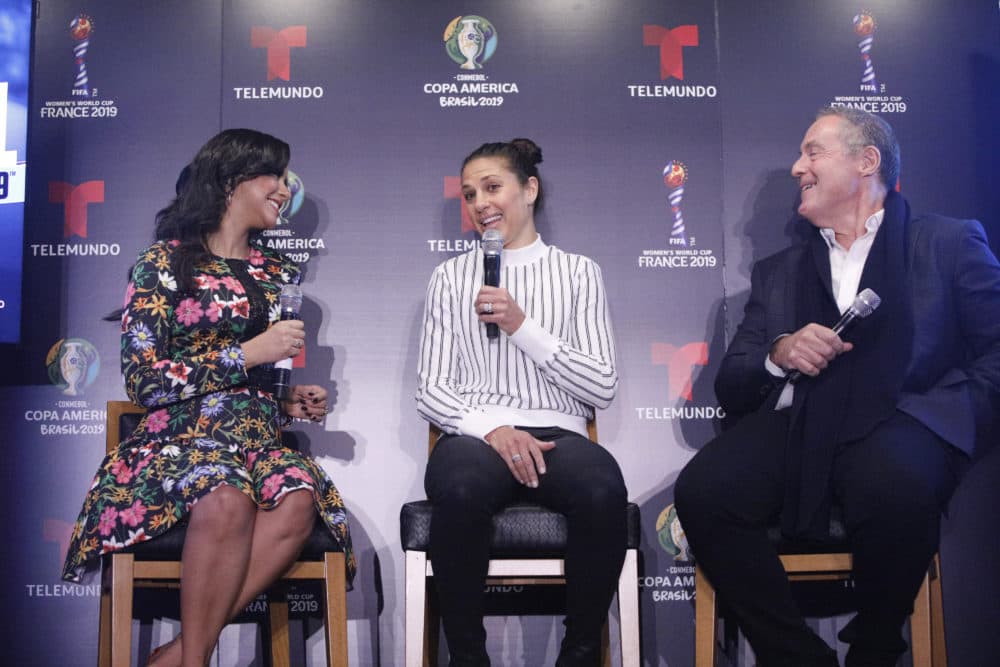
x=893 y=485
x=726 y=497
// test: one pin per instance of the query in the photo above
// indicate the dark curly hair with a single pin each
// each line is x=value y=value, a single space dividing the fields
x=522 y=156
x=203 y=188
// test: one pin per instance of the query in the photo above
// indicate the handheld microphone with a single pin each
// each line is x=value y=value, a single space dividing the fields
x=864 y=304
x=291 y=304
x=492 y=246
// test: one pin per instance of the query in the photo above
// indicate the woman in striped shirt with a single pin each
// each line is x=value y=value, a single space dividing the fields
x=514 y=408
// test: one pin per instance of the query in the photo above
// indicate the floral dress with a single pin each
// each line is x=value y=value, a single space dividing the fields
x=207 y=422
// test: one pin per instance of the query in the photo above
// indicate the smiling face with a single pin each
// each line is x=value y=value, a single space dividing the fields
x=830 y=176
x=496 y=199
x=255 y=202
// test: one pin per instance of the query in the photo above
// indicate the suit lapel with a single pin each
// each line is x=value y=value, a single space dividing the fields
x=821 y=258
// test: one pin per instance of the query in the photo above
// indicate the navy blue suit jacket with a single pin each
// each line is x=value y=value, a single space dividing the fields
x=952 y=381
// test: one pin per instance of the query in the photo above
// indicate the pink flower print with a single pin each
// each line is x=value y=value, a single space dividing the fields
x=251 y=459
x=129 y=293
x=162 y=363
x=178 y=373
x=107 y=521
x=234 y=285
x=121 y=471
x=299 y=473
x=256 y=257
x=143 y=463
x=257 y=274
x=189 y=312
x=204 y=281
x=274 y=454
x=241 y=307
x=272 y=485
x=156 y=421
x=132 y=516
x=214 y=311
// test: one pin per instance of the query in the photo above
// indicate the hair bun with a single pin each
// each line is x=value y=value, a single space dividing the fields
x=528 y=149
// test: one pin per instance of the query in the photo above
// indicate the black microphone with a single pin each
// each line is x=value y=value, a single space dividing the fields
x=492 y=245
x=291 y=304
x=864 y=305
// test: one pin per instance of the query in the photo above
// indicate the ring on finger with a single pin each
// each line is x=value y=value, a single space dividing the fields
x=488 y=308
x=515 y=458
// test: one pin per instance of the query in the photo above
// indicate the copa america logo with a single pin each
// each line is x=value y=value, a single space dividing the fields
x=470 y=41
x=865 y=27
x=675 y=175
x=670 y=534
x=80 y=29
x=73 y=364
x=294 y=202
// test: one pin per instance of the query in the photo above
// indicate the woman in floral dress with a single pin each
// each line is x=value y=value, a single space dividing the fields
x=200 y=335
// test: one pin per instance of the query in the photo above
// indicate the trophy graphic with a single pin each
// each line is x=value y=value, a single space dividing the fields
x=80 y=29
x=470 y=42
x=670 y=534
x=73 y=366
x=864 y=27
x=675 y=175
x=72 y=363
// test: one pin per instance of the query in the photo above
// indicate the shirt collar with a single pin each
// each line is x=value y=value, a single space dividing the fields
x=526 y=255
x=872 y=224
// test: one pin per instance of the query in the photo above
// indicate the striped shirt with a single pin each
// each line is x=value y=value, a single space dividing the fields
x=552 y=371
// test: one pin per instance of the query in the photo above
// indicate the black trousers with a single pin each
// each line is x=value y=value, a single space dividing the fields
x=467 y=482
x=892 y=486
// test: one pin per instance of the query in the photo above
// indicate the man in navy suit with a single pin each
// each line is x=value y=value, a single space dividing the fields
x=880 y=423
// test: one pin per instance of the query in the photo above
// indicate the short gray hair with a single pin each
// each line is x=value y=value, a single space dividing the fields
x=866 y=129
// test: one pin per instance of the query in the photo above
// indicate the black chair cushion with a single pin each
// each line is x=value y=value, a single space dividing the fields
x=522 y=530
x=127 y=423
x=836 y=542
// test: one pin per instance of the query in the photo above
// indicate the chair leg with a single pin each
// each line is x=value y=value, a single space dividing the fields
x=432 y=630
x=277 y=609
x=920 y=627
x=416 y=605
x=628 y=609
x=606 y=644
x=704 y=620
x=939 y=653
x=336 y=608
x=122 y=565
x=104 y=620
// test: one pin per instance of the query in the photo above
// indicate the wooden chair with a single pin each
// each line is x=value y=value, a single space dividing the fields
x=157 y=564
x=526 y=537
x=832 y=562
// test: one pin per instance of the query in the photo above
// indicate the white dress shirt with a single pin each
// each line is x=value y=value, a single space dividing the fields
x=846 y=266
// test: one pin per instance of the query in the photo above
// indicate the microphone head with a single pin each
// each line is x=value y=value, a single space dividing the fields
x=291 y=297
x=492 y=242
x=866 y=302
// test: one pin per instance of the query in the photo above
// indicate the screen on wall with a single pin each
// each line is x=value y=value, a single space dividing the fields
x=15 y=42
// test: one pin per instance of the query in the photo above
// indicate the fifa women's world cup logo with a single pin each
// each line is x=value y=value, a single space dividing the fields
x=864 y=27
x=80 y=29
x=470 y=41
x=675 y=175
